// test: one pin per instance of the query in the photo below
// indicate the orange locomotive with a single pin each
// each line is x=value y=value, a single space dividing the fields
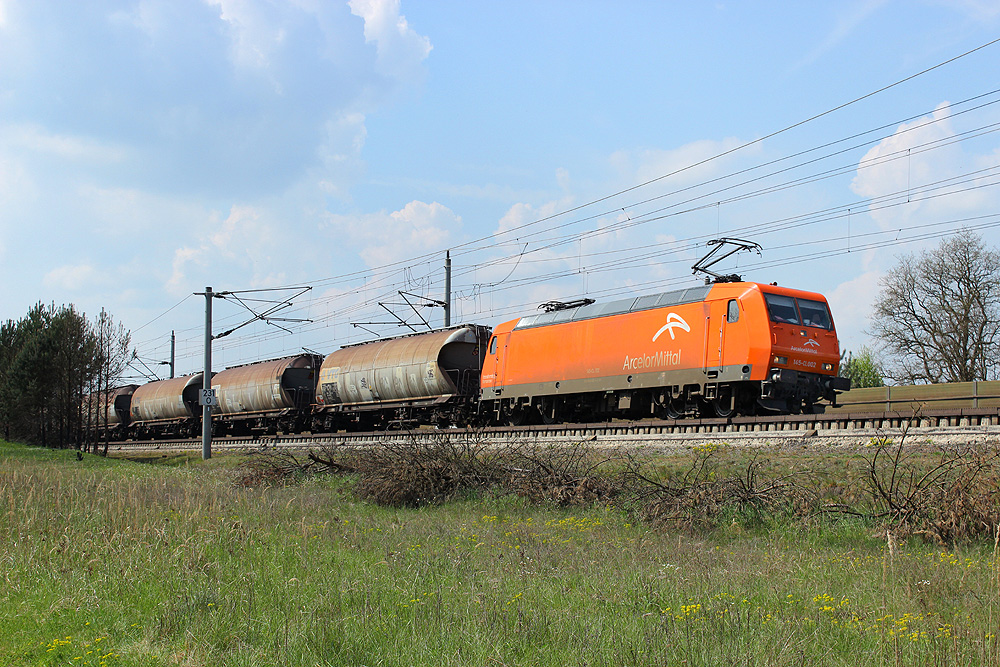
x=723 y=349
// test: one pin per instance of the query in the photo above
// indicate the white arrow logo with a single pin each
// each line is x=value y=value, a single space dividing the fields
x=673 y=320
x=812 y=341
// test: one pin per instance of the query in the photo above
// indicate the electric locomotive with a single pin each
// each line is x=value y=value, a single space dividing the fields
x=722 y=349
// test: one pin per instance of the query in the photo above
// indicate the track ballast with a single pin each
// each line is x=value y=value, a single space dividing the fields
x=947 y=424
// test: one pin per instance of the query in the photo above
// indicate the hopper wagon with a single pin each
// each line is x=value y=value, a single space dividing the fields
x=421 y=378
x=107 y=413
x=167 y=408
x=266 y=397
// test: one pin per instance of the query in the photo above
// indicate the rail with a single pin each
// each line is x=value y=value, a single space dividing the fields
x=836 y=423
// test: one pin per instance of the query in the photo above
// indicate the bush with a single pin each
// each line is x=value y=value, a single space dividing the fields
x=943 y=496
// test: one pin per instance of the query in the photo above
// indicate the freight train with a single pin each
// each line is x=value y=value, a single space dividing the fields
x=725 y=349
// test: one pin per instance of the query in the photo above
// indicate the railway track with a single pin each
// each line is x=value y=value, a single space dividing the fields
x=837 y=428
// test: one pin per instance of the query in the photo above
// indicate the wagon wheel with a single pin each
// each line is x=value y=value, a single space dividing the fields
x=723 y=409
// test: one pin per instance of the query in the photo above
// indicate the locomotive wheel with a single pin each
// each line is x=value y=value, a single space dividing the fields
x=725 y=405
x=519 y=417
x=674 y=409
x=545 y=417
x=723 y=408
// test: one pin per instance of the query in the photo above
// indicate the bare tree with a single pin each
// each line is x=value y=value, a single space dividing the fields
x=112 y=359
x=938 y=315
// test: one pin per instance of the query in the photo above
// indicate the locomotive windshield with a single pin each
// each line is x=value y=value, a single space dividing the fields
x=789 y=310
x=814 y=313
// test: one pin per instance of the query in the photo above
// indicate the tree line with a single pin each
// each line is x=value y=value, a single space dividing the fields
x=55 y=363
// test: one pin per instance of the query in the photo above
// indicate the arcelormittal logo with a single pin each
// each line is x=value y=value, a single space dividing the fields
x=673 y=320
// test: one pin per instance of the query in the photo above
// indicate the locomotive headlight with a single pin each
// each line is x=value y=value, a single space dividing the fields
x=827 y=367
x=781 y=361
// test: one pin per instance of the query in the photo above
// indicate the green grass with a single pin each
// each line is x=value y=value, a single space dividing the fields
x=113 y=562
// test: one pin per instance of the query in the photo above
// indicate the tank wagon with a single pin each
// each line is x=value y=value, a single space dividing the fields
x=167 y=408
x=266 y=397
x=423 y=378
x=107 y=413
x=722 y=349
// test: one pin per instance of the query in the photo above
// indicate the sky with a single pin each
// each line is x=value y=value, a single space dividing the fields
x=558 y=150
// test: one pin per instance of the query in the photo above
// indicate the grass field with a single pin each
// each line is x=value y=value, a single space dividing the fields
x=114 y=562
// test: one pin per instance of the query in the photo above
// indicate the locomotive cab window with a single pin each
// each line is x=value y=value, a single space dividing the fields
x=733 y=314
x=493 y=345
x=814 y=314
x=781 y=308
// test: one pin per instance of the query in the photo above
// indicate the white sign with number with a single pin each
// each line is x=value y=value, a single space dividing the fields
x=208 y=398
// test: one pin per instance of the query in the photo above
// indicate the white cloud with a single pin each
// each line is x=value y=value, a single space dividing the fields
x=644 y=165
x=901 y=166
x=340 y=153
x=523 y=213
x=400 y=49
x=851 y=304
x=245 y=244
x=256 y=33
x=235 y=98
x=851 y=16
x=176 y=145
x=15 y=182
x=888 y=168
x=122 y=213
x=978 y=10
x=36 y=139
x=72 y=277
x=384 y=238
x=583 y=267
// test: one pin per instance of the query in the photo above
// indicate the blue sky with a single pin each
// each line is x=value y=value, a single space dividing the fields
x=560 y=149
